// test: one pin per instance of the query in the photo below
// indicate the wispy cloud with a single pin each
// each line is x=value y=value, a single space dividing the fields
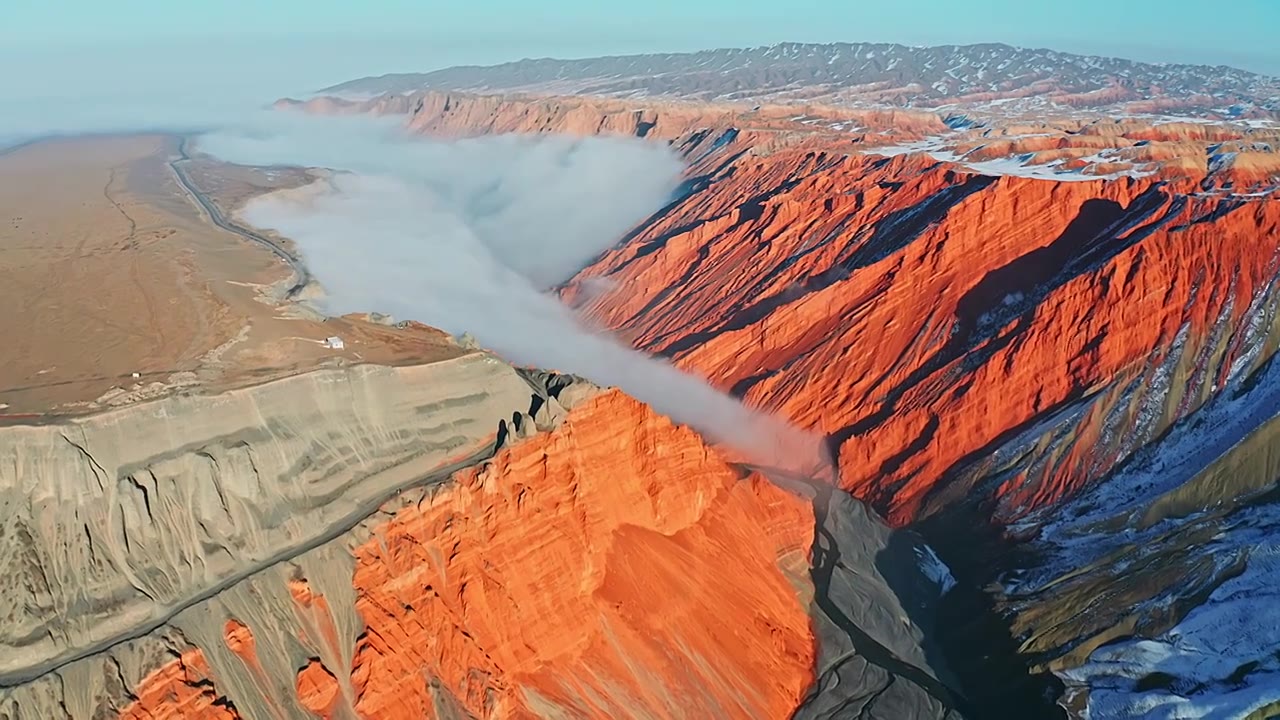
x=467 y=236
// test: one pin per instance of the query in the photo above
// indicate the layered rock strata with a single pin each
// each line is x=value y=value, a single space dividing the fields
x=336 y=545
x=982 y=348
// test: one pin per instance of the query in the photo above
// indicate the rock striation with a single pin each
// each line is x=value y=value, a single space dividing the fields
x=455 y=540
x=924 y=318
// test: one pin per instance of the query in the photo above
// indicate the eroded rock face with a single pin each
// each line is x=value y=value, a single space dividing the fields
x=116 y=522
x=614 y=568
x=605 y=564
x=926 y=319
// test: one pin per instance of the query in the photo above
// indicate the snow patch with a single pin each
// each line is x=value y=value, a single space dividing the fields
x=934 y=569
x=1219 y=662
x=1017 y=165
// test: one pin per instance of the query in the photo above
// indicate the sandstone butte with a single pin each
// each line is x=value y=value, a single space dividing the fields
x=582 y=573
x=923 y=316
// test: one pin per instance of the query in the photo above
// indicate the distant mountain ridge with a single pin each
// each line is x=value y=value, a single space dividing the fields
x=866 y=74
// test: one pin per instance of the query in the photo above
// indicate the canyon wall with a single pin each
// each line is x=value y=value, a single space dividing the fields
x=455 y=540
x=1088 y=364
x=954 y=335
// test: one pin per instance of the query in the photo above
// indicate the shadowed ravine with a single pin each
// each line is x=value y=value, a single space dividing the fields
x=826 y=556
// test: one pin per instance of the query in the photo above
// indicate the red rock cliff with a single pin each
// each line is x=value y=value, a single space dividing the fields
x=615 y=567
x=923 y=317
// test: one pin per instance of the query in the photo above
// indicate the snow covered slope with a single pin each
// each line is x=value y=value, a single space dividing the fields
x=868 y=73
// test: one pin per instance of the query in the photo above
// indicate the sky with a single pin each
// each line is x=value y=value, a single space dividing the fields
x=307 y=44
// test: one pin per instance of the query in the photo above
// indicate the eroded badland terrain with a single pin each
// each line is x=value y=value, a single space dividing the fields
x=1033 y=314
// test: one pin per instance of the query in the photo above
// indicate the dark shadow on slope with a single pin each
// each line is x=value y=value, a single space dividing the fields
x=749 y=211
x=1101 y=230
x=898 y=229
x=743 y=386
x=859 y=672
x=904 y=225
x=974 y=638
x=899 y=563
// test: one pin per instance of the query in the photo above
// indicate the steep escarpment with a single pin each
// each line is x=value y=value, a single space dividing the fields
x=118 y=521
x=336 y=545
x=924 y=318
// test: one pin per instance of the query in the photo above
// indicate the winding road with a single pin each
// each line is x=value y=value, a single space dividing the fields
x=300 y=274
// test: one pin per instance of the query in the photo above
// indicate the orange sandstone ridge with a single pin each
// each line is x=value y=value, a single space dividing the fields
x=1236 y=156
x=924 y=317
x=613 y=568
x=640 y=532
x=923 y=314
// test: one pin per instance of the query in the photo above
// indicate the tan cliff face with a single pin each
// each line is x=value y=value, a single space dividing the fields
x=119 y=520
x=309 y=548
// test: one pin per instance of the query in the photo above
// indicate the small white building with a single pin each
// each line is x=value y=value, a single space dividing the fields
x=334 y=343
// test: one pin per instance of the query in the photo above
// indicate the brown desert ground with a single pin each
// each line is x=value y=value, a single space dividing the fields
x=108 y=267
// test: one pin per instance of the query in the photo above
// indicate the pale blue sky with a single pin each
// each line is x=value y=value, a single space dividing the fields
x=79 y=65
x=353 y=37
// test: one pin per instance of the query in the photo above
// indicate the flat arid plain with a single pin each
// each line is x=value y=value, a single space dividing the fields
x=109 y=268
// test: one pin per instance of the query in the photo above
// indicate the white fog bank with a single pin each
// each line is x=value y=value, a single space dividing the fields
x=468 y=235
